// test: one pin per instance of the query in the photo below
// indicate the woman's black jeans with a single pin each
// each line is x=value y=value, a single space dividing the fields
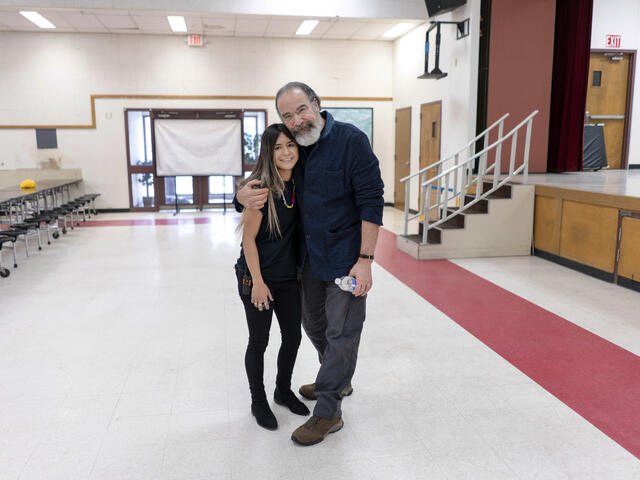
x=286 y=305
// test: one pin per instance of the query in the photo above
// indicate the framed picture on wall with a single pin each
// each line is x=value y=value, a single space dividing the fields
x=360 y=117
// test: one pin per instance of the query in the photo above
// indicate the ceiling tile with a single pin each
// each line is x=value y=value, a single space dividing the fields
x=117 y=22
x=17 y=21
x=251 y=26
x=216 y=25
x=83 y=21
x=152 y=23
x=321 y=28
x=283 y=28
x=57 y=18
x=343 y=29
x=374 y=29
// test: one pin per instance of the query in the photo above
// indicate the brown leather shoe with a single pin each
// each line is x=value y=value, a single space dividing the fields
x=315 y=429
x=308 y=391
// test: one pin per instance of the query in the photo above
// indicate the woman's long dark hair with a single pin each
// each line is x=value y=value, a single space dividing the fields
x=266 y=171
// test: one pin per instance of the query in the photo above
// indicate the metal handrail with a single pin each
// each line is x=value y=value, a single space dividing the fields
x=442 y=205
x=441 y=183
x=485 y=150
x=471 y=142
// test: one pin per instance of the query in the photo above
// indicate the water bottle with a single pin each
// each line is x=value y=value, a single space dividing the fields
x=348 y=284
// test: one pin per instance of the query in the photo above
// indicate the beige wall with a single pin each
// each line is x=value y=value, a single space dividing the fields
x=49 y=79
x=457 y=91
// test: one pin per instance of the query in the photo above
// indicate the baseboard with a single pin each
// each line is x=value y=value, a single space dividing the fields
x=580 y=267
x=388 y=204
x=628 y=283
x=635 y=166
x=112 y=210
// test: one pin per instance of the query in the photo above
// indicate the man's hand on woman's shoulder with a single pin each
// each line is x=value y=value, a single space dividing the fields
x=251 y=196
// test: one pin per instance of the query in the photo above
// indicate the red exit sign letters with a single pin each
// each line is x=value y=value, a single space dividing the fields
x=613 y=41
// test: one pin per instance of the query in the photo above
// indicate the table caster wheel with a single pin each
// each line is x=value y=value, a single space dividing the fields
x=4 y=273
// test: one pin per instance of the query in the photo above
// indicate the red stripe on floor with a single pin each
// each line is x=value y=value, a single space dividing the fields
x=146 y=221
x=596 y=378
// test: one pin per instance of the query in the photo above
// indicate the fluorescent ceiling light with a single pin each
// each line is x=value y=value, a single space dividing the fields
x=177 y=23
x=398 y=30
x=38 y=19
x=306 y=27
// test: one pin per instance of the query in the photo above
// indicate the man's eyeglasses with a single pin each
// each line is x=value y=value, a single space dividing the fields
x=302 y=110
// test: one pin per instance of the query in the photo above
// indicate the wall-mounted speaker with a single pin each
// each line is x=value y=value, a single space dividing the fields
x=436 y=7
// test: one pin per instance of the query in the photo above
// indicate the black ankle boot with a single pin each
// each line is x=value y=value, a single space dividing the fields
x=289 y=400
x=264 y=415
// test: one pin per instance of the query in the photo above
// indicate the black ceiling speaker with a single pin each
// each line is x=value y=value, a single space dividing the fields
x=436 y=7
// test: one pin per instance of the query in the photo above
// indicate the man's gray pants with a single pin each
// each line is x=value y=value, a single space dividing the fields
x=333 y=320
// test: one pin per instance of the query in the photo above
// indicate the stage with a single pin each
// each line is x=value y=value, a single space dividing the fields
x=613 y=182
x=590 y=221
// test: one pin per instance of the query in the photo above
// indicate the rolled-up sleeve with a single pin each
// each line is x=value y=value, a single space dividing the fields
x=367 y=182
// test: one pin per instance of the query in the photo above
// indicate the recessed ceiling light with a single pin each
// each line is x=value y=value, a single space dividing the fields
x=398 y=30
x=177 y=23
x=38 y=19
x=306 y=27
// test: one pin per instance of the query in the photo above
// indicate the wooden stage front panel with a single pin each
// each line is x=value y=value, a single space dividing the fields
x=629 y=262
x=580 y=229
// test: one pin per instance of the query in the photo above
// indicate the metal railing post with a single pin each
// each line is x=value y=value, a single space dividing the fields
x=445 y=209
x=426 y=197
x=527 y=146
x=498 y=165
x=514 y=146
x=407 y=199
x=455 y=175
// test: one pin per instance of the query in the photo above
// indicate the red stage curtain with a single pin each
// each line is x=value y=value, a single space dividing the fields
x=572 y=49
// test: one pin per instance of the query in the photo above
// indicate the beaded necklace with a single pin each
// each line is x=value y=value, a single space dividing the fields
x=293 y=196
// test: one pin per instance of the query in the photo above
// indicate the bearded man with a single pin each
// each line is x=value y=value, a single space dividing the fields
x=340 y=193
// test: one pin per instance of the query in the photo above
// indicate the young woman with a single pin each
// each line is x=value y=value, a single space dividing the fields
x=266 y=272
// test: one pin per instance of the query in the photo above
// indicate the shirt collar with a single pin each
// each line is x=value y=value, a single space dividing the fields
x=328 y=123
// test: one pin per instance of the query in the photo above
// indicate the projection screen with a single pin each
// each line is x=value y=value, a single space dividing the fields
x=198 y=147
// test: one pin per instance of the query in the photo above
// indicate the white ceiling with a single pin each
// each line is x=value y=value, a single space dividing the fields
x=228 y=25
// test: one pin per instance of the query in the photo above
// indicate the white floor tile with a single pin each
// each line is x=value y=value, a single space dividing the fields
x=140 y=373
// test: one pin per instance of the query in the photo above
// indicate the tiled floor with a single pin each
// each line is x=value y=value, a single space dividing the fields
x=121 y=356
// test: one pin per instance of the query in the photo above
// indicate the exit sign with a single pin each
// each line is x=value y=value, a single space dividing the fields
x=195 y=41
x=614 y=41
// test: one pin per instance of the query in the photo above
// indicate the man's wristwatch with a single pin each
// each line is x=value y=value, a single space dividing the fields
x=367 y=257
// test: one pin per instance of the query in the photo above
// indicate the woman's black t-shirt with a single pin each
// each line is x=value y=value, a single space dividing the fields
x=277 y=253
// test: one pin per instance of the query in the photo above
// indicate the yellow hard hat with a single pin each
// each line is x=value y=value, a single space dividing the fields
x=27 y=184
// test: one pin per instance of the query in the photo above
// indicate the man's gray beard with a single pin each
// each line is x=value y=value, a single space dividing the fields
x=311 y=136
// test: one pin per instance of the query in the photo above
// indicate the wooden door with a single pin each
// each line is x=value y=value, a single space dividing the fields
x=607 y=101
x=403 y=154
x=430 y=121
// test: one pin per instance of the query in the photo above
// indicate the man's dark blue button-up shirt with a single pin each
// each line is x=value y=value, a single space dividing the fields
x=342 y=187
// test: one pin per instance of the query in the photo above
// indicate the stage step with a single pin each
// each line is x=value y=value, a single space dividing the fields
x=503 y=192
x=505 y=229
